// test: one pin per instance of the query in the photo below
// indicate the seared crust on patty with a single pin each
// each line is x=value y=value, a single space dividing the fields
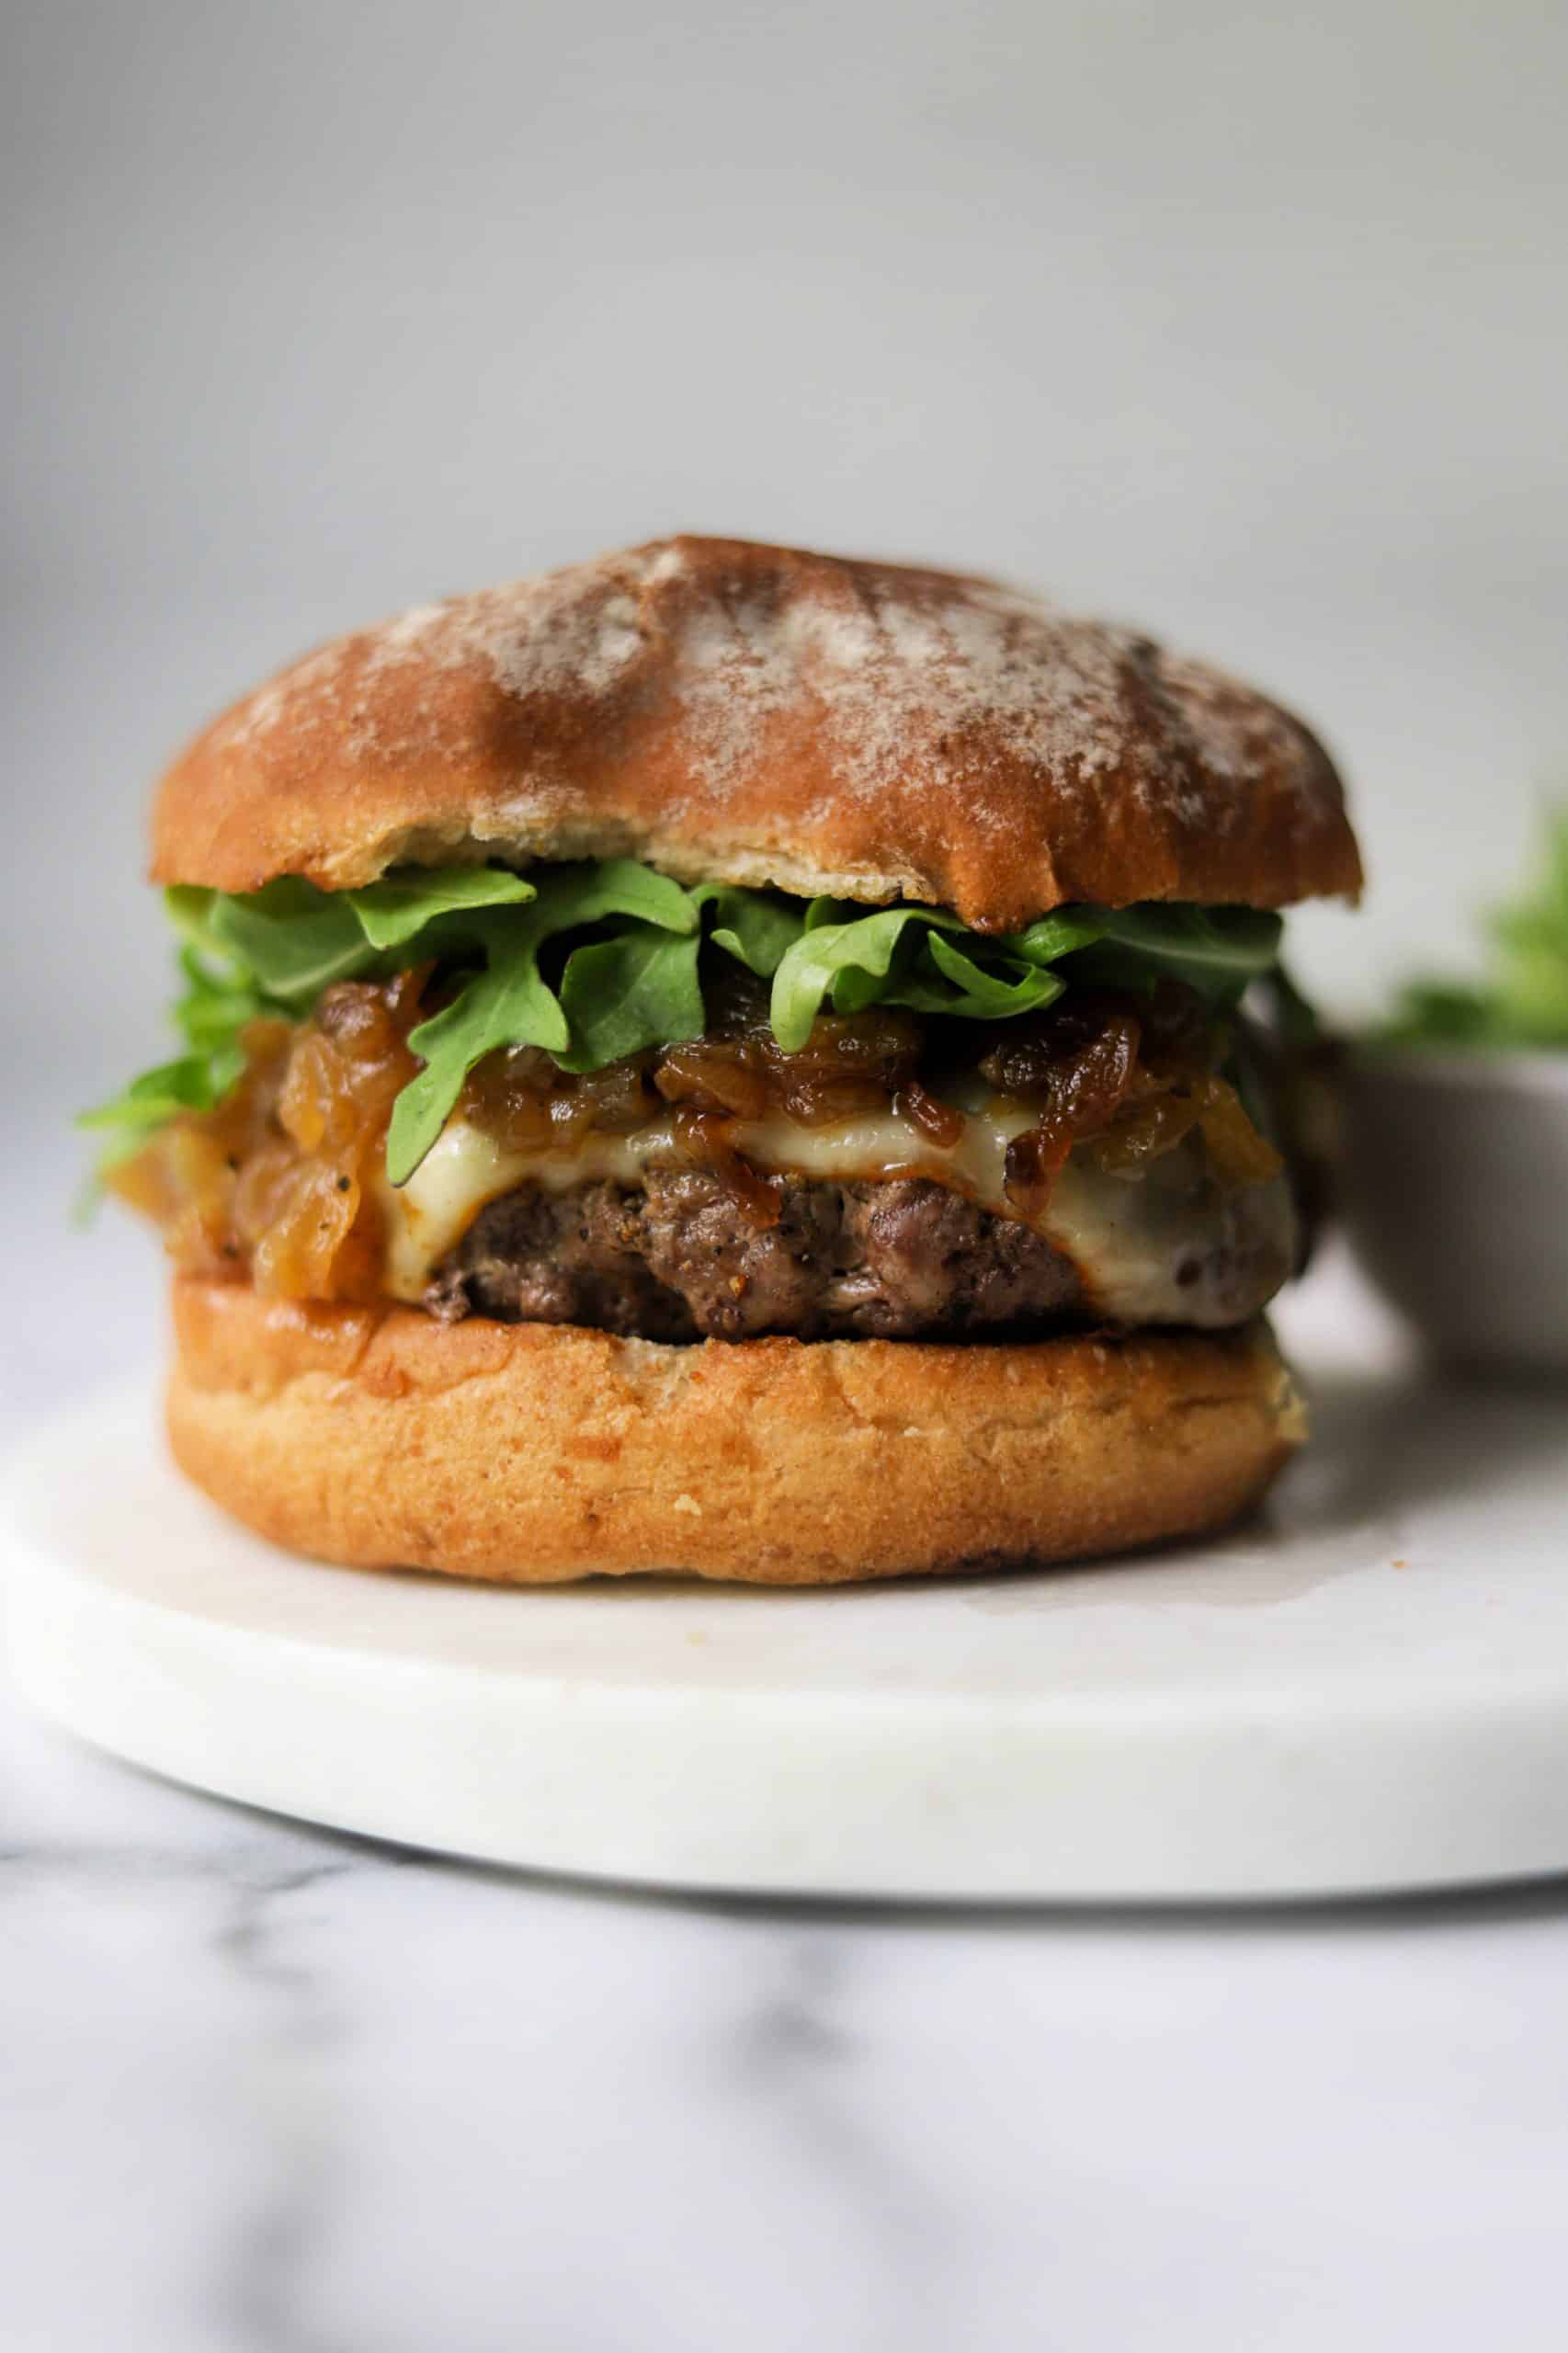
x=532 y=1454
x=761 y=715
x=680 y=1258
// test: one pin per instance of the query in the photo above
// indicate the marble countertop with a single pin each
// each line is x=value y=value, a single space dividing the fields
x=262 y=2087
x=268 y=2090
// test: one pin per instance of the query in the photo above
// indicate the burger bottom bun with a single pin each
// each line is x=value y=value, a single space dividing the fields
x=534 y=1453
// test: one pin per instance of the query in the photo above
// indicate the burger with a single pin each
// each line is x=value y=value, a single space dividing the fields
x=734 y=1062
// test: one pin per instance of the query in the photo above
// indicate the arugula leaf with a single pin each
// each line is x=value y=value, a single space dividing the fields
x=910 y=956
x=214 y=1007
x=639 y=988
x=188 y=1084
x=395 y=910
x=210 y=1014
x=193 y=1083
x=833 y=960
x=272 y=953
x=757 y=927
x=189 y=909
x=1225 y=939
x=1217 y=951
x=510 y=1004
x=615 y=886
x=291 y=939
x=1054 y=936
x=507 y=1004
x=987 y=995
x=591 y=962
x=1214 y=950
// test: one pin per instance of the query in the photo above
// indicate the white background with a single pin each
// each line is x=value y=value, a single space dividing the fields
x=1246 y=323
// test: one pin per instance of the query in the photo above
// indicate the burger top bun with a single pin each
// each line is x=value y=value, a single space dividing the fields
x=761 y=715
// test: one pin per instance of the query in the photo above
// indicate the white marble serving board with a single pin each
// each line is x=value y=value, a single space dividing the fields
x=1365 y=1688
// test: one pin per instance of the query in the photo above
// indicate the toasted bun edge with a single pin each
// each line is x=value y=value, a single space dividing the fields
x=536 y=1454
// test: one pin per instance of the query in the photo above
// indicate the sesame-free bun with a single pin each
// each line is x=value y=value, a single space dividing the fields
x=533 y=1453
x=760 y=715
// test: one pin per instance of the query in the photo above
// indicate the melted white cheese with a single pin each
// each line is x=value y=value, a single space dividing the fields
x=1161 y=1244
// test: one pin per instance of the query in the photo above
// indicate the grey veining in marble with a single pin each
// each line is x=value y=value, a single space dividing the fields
x=270 y=2091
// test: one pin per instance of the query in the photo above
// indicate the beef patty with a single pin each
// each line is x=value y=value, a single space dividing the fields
x=681 y=1261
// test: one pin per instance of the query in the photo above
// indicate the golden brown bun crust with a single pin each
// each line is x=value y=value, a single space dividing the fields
x=760 y=715
x=533 y=1453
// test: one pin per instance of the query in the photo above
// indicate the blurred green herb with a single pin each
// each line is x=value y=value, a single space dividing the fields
x=1522 y=999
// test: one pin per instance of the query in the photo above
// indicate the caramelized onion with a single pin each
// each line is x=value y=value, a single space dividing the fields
x=851 y=1064
x=936 y=1120
x=705 y=1138
x=282 y=1178
x=719 y=1075
x=1237 y=1152
x=1029 y=1172
x=1078 y=1069
x=527 y=1103
x=276 y=1179
x=1145 y=1129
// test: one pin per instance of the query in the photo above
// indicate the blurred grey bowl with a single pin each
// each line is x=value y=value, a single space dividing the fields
x=1456 y=1198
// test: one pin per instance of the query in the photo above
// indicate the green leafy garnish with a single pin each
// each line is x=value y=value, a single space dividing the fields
x=210 y=1014
x=910 y=956
x=1219 y=952
x=595 y=961
x=292 y=940
x=394 y=911
x=289 y=939
x=509 y=1003
x=193 y=1083
x=755 y=928
x=272 y=953
x=1522 y=1001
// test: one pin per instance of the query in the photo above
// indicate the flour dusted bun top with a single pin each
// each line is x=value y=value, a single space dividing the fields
x=762 y=715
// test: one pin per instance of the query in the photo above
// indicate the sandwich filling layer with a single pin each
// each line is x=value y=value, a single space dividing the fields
x=873 y=1124
x=866 y=1231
